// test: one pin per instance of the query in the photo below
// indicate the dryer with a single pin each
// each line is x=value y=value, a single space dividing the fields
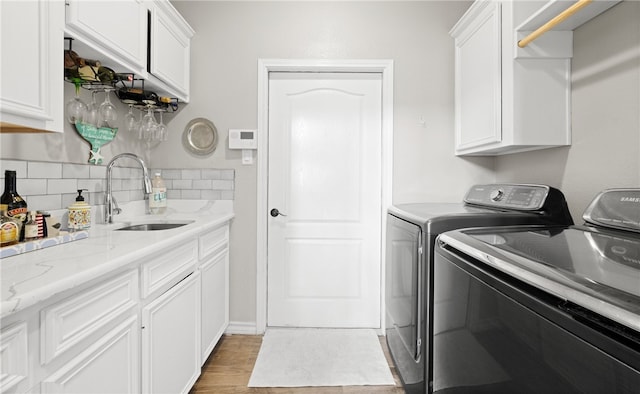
x=411 y=233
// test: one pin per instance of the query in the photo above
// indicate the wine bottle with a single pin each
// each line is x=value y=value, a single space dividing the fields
x=16 y=206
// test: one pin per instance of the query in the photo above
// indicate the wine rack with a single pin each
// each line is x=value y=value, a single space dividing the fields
x=91 y=75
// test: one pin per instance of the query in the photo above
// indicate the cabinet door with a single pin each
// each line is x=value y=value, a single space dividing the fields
x=215 y=300
x=171 y=339
x=32 y=45
x=478 y=79
x=170 y=48
x=115 y=28
x=14 y=364
x=111 y=365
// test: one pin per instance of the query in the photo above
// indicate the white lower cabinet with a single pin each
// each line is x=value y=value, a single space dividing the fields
x=171 y=339
x=14 y=366
x=146 y=329
x=110 y=365
x=214 y=274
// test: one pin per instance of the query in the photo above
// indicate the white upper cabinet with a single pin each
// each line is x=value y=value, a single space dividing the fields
x=503 y=104
x=170 y=47
x=31 y=71
x=147 y=38
x=115 y=29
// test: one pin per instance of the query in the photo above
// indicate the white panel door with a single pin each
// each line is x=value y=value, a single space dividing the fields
x=325 y=176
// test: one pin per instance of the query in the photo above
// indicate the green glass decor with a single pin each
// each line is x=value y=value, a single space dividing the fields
x=97 y=137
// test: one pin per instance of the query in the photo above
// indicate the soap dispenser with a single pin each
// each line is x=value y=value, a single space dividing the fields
x=79 y=213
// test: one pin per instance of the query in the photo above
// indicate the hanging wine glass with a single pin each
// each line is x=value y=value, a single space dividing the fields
x=130 y=123
x=92 y=115
x=76 y=108
x=148 y=125
x=139 y=124
x=108 y=113
x=161 y=130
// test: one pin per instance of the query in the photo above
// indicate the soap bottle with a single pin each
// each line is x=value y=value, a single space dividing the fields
x=79 y=213
x=158 y=197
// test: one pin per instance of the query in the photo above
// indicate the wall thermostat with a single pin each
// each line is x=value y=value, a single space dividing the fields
x=244 y=139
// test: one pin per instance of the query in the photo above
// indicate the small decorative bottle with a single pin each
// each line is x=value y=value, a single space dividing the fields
x=9 y=228
x=31 y=227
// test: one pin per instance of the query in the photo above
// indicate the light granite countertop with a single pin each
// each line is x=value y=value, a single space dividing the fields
x=33 y=277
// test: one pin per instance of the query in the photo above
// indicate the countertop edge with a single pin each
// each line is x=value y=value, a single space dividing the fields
x=20 y=301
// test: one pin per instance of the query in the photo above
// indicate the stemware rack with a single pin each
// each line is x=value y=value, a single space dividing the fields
x=127 y=88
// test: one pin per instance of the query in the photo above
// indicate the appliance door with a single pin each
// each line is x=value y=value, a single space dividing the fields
x=403 y=296
x=496 y=334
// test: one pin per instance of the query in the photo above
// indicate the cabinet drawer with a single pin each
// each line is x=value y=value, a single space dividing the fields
x=213 y=240
x=68 y=322
x=110 y=365
x=13 y=356
x=168 y=267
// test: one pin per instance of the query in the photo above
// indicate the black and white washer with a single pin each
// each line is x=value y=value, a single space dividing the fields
x=411 y=233
x=552 y=309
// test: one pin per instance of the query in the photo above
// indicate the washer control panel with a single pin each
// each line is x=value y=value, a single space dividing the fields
x=508 y=196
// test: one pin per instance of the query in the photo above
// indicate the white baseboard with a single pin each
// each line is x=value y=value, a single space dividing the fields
x=242 y=328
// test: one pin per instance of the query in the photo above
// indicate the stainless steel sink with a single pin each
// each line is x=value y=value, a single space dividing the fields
x=153 y=226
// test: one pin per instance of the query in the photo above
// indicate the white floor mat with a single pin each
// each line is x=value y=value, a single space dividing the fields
x=299 y=357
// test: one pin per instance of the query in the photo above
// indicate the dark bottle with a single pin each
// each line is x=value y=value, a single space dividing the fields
x=16 y=206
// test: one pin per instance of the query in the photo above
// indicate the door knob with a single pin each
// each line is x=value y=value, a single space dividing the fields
x=275 y=212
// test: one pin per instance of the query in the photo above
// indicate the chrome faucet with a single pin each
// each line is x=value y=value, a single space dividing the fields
x=109 y=200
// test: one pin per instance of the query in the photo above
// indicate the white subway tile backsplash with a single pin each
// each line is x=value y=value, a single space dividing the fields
x=59 y=186
x=182 y=184
x=191 y=174
x=44 y=170
x=116 y=185
x=202 y=184
x=121 y=196
x=20 y=167
x=131 y=183
x=92 y=185
x=208 y=173
x=191 y=194
x=174 y=194
x=44 y=203
x=75 y=171
x=120 y=173
x=53 y=186
x=97 y=172
x=171 y=174
x=222 y=185
x=227 y=174
x=70 y=198
x=27 y=187
x=211 y=195
x=136 y=194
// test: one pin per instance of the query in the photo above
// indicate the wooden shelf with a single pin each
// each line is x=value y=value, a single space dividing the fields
x=555 y=7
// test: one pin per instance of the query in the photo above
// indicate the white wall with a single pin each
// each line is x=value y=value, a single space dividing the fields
x=69 y=147
x=232 y=36
x=605 y=149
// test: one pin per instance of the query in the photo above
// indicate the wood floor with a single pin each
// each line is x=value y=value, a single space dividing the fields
x=228 y=369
